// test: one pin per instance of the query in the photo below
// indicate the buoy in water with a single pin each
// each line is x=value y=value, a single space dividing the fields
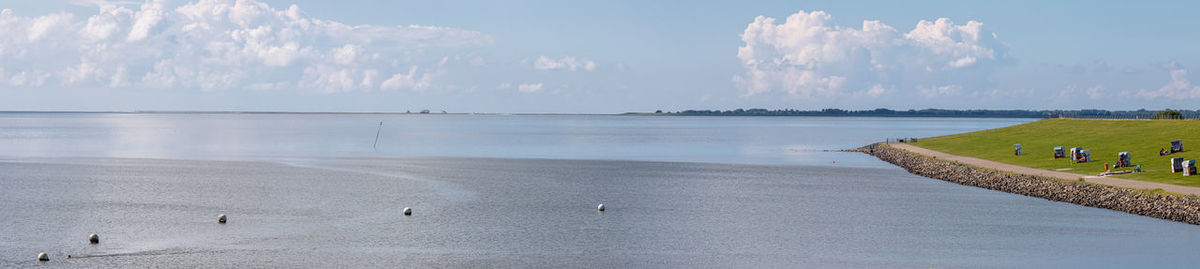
x=43 y=257
x=221 y=219
x=600 y=207
x=95 y=239
x=407 y=211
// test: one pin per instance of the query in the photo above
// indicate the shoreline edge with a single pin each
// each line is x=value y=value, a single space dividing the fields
x=1179 y=208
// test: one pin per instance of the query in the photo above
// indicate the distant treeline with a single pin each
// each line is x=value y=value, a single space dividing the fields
x=980 y=113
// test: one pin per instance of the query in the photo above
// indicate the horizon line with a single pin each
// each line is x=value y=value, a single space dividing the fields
x=291 y=112
x=506 y=113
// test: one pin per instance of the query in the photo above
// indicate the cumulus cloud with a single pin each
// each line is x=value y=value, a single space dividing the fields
x=807 y=55
x=564 y=63
x=1179 y=87
x=220 y=44
x=876 y=90
x=529 y=88
x=411 y=80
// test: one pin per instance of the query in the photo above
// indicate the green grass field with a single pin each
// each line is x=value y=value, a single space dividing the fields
x=1141 y=138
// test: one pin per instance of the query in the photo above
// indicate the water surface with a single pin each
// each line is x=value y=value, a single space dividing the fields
x=762 y=140
x=521 y=191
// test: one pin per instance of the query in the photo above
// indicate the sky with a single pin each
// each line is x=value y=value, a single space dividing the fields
x=595 y=56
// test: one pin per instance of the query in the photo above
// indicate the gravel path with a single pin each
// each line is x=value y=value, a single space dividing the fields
x=1136 y=184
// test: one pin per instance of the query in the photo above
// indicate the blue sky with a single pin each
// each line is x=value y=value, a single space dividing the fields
x=594 y=56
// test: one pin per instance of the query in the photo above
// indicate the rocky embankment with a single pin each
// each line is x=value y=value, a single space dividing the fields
x=1171 y=207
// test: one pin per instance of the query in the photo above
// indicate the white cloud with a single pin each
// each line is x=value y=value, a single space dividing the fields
x=1072 y=91
x=504 y=86
x=146 y=20
x=345 y=55
x=529 y=88
x=104 y=27
x=47 y=25
x=807 y=55
x=564 y=63
x=876 y=90
x=411 y=80
x=1179 y=87
x=962 y=62
x=218 y=45
x=945 y=90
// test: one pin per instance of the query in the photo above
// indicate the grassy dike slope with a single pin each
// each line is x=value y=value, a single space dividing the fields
x=1141 y=138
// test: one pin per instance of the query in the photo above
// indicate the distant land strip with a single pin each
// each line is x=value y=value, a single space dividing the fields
x=933 y=112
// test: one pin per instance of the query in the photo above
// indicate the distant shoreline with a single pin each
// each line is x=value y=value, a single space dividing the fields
x=832 y=115
x=934 y=113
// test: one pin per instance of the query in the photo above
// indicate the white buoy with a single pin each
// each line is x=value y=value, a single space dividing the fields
x=95 y=239
x=407 y=211
x=221 y=219
x=43 y=257
x=600 y=207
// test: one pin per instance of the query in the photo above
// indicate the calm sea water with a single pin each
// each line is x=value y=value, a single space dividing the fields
x=313 y=190
x=762 y=140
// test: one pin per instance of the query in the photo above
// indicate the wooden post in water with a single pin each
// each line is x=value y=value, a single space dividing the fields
x=377 y=136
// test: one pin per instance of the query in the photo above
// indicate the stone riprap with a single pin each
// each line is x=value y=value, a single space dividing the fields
x=1164 y=206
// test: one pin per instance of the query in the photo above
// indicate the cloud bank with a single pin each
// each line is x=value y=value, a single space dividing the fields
x=807 y=55
x=221 y=44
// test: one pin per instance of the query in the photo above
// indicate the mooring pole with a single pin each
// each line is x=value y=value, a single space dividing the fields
x=373 y=146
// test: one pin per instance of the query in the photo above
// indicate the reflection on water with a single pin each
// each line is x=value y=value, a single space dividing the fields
x=781 y=140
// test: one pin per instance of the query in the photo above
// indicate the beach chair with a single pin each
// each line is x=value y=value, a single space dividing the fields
x=1075 y=153
x=1189 y=167
x=1176 y=146
x=1059 y=153
x=1123 y=160
x=1176 y=164
x=1084 y=156
x=1017 y=149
